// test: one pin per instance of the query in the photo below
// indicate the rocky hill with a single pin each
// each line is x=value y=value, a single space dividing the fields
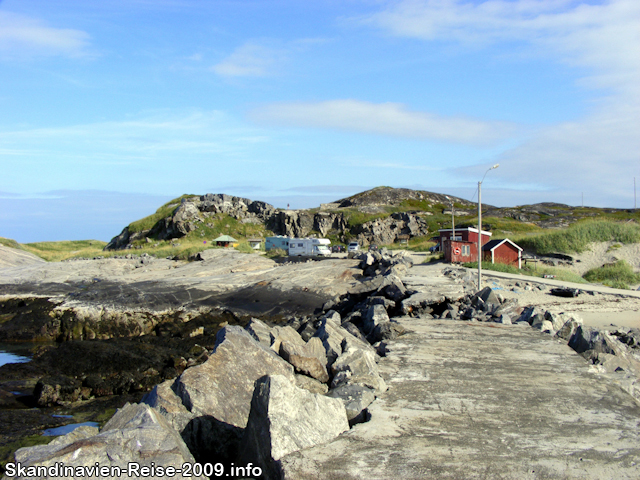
x=382 y=215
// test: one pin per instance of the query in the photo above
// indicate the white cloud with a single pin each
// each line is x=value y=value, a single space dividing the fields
x=250 y=60
x=597 y=154
x=24 y=36
x=391 y=119
x=603 y=37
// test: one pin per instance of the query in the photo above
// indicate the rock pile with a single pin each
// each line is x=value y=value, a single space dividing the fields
x=266 y=391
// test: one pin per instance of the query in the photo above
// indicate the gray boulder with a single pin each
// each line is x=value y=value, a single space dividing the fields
x=335 y=341
x=356 y=399
x=488 y=296
x=569 y=327
x=285 y=419
x=311 y=384
x=286 y=342
x=386 y=331
x=421 y=302
x=357 y=366
x=310 y=366
x=135 y=434
x=260 y=331
x=375 y=315
x=164 y=400
x=589 y=339
x=218 y=392
x=353 y=330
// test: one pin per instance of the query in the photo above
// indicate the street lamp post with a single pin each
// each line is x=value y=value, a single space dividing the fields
x=480 y=226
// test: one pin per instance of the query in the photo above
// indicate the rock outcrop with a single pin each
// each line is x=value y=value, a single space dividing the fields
x=192 y=211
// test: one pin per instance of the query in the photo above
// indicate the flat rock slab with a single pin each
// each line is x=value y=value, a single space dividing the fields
x=247 y=284
x=478 y=400
x=429 y=279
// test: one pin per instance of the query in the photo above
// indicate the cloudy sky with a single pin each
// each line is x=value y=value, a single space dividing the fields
x=108 y=109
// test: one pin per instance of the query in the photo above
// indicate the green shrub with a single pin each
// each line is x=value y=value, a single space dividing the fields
x=276 y=252
x=616 y=275
x=244 y=247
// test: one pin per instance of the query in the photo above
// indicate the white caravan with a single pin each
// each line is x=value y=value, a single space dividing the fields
x=309 y=247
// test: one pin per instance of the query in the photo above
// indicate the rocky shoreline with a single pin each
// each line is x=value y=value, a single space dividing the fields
x=238 y=388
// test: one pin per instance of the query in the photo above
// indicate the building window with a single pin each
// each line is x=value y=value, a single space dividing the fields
x=466 y=250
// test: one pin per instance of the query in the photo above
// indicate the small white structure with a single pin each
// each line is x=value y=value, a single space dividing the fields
x=309 y=247
x=255 y=243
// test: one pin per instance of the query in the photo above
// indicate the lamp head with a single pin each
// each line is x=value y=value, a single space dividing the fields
x=495 y=166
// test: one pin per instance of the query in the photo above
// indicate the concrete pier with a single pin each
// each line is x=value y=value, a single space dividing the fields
x=471 y=400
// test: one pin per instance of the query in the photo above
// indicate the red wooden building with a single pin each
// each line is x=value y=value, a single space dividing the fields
x=464 y=246
x=502 y=251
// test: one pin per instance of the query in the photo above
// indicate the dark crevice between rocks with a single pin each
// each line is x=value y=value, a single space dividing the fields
x=209 y=439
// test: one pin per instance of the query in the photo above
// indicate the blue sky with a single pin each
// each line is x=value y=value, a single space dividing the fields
x=108 y=109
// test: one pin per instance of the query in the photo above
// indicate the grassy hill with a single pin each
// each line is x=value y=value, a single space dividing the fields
x=541 y=228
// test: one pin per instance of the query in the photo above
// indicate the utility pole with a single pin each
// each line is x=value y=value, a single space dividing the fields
x=480 y=226
x=453 y=221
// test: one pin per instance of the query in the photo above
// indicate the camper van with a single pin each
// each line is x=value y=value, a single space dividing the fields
x=309 y=247
x=279 y=241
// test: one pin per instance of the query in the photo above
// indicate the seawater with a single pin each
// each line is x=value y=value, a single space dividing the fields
x=8 y=357
x=53 y=432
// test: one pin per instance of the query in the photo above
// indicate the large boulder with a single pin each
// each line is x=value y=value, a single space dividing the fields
x=218 y=392
x=285 y=419
x=335 y=340
x=375 y=315
x=136 y=437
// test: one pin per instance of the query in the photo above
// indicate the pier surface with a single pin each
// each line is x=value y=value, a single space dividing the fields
x=471 y=400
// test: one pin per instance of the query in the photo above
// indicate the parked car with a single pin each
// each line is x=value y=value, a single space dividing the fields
x=435 y=248
x=338 y=249
x=353 y=247
x=373 y=247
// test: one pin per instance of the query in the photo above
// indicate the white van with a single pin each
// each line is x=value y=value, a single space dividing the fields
x=312 y=247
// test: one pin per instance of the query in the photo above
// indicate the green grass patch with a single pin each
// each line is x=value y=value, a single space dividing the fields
x=508 y=227
x=531 y=271
x=355 y=217
x=58 y=251
x=578 y=236
x=7 y=242
x=415 y=244
x=616 y=275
